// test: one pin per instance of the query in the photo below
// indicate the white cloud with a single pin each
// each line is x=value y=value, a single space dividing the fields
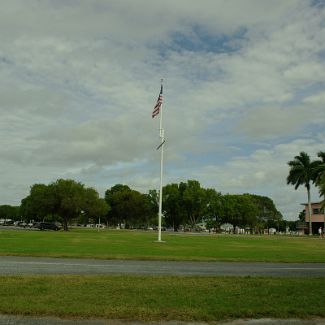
x=243 y=92
x=273 y=122
x=264 y=172
x=318 y=99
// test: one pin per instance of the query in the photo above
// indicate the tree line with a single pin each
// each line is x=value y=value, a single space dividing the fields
x=185 y=206
x=303 y=171
x=188 y=204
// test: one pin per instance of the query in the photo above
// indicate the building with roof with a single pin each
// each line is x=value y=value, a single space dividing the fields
x=317 y=216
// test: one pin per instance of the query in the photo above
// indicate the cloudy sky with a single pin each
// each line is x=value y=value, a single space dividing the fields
x=244 y=92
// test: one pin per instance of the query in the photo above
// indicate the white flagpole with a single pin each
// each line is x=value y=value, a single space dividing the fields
x=162 y=141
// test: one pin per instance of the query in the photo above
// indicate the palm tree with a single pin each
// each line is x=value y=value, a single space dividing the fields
x=319 y=170
x=302 y=172
x=322 y=188
x=319 y=176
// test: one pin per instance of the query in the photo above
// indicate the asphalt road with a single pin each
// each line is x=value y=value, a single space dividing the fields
x=10 y=265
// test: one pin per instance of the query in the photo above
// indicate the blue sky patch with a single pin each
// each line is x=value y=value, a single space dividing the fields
x=318 y=3
x=199 y=39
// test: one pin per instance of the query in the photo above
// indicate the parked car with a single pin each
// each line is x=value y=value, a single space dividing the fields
x=46 y=225
x=20 y=224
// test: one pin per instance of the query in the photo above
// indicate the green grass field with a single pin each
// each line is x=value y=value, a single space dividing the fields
x=113 y=244
x=162 y=298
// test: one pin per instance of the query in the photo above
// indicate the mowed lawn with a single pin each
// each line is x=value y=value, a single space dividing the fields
x=162 y=297
x=154 y=298
x=123 y=244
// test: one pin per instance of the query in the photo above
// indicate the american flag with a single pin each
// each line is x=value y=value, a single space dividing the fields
x=156 y=109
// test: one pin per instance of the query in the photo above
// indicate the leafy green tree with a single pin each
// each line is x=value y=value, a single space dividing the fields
x=229 y=213
x=128 y=206
x=153 y=196
x=64 y=198
x=10 y=212
x=68 y=198
x=268 y=215
x=214 y=209
x=150 y=202
x=249 y=211
x=194 y=202
x=71 y=197
x=172 y=205
x=114 y=197
x=93 y=206
x=240 y=210
x=134 y=209
x=38 y=204
x=153 y=201
x=302 y=172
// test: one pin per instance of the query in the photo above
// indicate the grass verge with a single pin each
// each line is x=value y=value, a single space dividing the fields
x=162 y=298
x=109 y=244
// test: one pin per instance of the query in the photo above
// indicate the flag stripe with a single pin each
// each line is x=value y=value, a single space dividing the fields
x=156 y=109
